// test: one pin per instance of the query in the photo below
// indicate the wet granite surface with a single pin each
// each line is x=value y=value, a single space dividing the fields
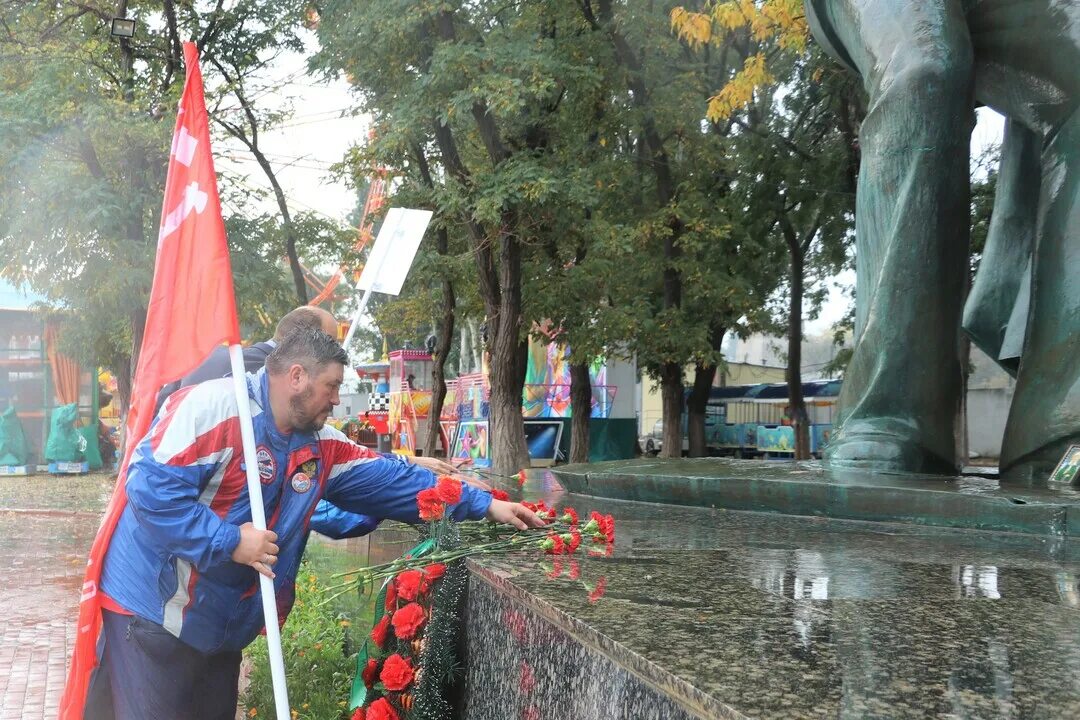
x=807 y=488
x=740 y=614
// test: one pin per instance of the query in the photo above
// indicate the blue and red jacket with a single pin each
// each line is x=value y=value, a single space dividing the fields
x=169 y=560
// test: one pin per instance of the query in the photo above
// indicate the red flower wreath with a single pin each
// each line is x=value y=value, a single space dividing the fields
x=449 y=489
x=391 y=595
x=397 y=673
x=381 y=709
x=410 y=584
x=370 y=672
x=407 y=621
x=434 y=571
x=430 y=504
x=379 y=632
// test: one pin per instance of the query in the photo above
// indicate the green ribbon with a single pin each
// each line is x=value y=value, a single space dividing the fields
x=358 y=694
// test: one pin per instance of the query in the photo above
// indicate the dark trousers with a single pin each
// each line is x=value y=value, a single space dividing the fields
x=148 y=674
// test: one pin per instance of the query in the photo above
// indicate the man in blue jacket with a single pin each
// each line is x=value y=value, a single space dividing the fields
x=180 y=577
x=327 y=520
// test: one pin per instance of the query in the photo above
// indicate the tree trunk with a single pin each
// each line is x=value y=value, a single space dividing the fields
x=442 y=350
x=698 y=402
x=507 y=429
x=800 y=420
x=671 y=397
x=580 y=412
x=695 y=409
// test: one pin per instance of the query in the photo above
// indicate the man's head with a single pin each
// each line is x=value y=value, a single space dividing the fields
x=305 y=372
x=305 y=316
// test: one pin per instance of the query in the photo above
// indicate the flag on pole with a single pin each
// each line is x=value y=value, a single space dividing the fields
x=191 y=311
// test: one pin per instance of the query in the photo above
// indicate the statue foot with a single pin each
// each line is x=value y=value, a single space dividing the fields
x=883 y=451
x=1035 y=468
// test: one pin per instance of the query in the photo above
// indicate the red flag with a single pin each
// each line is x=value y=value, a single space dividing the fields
x=191 y=311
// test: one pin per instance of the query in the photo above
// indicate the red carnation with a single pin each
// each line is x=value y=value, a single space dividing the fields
x=378 y=633
x=515 y=623
x=556 y=569
x=552 y=545
x=434 y=571
x=397 y=673
x=528 y=679
x=381 y=709
x=569 y=516
x=607 y=526
x=410 y=584
x=531 y=506
x=500 y=494
x=358 y=714
x=370 y=672
x=391 y=595
x=572 y=540
x=449 y=489
x=521 y=478
x=598 y=591
x=430 y=504
x=407 y=621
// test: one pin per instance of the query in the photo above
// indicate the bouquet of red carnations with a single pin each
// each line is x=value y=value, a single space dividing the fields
x=409 y=661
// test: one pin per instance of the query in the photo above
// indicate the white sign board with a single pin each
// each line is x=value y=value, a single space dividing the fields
x=390 y=259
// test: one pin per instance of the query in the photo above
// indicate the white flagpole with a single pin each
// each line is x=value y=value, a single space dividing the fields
x=258 y=519
x=356 y=316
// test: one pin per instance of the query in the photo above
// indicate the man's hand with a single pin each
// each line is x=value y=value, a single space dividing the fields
x=256 y=549
x=514 y=514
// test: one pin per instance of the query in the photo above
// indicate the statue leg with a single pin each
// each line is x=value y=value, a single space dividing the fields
x=1044 y=418
x=901 y=390
x=999 y=293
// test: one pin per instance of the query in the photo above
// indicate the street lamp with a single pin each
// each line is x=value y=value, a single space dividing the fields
x=123 y=27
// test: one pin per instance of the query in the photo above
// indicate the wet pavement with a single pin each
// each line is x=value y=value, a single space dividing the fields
x=741 y=614
x=46 y=527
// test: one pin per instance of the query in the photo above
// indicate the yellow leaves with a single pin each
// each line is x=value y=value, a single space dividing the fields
x=785 y=20
x=693 y=27
x=738 y=93
x=734 y=15
x=782 y=20
x=779 y=21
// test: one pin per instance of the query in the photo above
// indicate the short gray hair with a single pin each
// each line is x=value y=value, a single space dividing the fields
x=304 y=316
x=309 y=347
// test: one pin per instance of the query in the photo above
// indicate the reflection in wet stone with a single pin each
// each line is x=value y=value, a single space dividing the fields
x=712 y=613
x=522 y=666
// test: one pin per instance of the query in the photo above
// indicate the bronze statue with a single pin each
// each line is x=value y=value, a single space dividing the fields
x=924 y=65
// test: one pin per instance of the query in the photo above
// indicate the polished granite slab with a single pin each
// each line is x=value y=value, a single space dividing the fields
x=807 y=488
x=742 y=614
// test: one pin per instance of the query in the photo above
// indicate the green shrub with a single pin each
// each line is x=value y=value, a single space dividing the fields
x=318 y=671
